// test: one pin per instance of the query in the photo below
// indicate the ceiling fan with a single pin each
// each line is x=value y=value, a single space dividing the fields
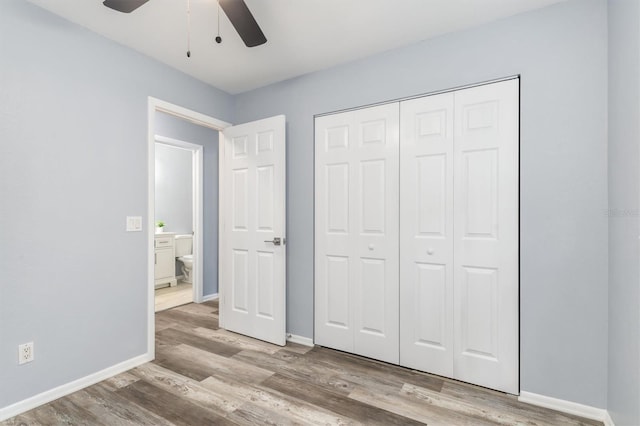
x=236 y=10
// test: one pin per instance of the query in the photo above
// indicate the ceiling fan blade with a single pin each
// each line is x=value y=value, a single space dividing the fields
x=125 y=6
x=243 y=21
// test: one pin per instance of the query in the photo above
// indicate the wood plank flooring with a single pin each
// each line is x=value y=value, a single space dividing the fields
x=203 y=375
x=170 y=297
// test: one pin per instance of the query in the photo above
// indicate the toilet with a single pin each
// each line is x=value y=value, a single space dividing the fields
x=184 y=245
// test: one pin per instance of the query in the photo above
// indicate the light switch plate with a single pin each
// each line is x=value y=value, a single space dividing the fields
x=134 y=223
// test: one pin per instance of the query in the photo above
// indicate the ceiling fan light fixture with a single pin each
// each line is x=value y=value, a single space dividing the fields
x=124 y=6
x=243 y=21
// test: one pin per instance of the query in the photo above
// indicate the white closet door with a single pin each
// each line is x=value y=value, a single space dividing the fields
x=334 y=235
x=356 y=259
x=426 y=234
x=486 y=236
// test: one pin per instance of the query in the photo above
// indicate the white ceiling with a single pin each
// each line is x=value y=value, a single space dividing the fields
x=303 y=35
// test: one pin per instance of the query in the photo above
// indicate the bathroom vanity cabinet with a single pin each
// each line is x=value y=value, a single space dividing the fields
x=165 y=260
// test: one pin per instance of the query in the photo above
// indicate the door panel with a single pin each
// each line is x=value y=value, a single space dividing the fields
x=376 y=204
x=479 y=320
x=426 y=234
x=239 y=194
x=431 y=192
x=266 y=197
x=265 y=283
x=431 y=307
x=252 y=267
x=337 y=200
x=372 y=287
x=486 y=236
x=337 y=292
x=372 y=178
x=240 y=280
x=333 y=320
x=480 y=193
x=356 y=232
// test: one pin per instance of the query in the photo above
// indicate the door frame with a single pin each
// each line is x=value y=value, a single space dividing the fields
x=157 y=105
x=197 y=208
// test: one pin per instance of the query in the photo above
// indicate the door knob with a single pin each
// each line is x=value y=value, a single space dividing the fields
x=371 y=246
x=276 y=241
x=429 y=251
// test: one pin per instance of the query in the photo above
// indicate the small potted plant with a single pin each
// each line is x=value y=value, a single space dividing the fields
x=159 y=226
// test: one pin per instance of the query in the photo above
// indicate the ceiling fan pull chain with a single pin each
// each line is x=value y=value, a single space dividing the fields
x=218 y=38
x=188 y=28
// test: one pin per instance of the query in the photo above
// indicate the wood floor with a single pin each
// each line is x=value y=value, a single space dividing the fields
x=203 y=375
x=170 y=297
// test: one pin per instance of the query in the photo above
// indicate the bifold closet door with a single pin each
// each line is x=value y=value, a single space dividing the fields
x=459 y=235
x=356 y=232
x=426 y=234
x=454 y=311
x=486 y=202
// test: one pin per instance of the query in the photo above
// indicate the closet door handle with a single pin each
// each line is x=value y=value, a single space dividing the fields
x=430 y=251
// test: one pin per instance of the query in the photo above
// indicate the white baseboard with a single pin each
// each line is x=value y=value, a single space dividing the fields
x=76 y=385
x=294 y=338
x=568 y=407
x=608 y=421
x=209 y=297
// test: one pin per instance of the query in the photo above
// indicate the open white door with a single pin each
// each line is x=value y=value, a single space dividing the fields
x=252 y=210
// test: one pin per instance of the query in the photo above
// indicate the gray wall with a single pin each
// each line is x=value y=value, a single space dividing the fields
x=174 y=188
x=624 y=191
x=73 y=155
x=170 y=126
x=561 y=54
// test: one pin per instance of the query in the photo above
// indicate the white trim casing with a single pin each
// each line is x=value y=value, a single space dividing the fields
x=151 y=227
x=221 y=223
x=586 y=411
x=66 y=389
x=209 y=297
x=187 y=114
x=301 y=340
x=198 y=222
x=198 y=210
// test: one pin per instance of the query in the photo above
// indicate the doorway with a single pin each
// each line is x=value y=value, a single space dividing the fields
x=251 y=179
x=178 y=208
x=178 y=113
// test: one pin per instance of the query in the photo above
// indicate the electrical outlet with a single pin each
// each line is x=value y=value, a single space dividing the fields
x=25 y=353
